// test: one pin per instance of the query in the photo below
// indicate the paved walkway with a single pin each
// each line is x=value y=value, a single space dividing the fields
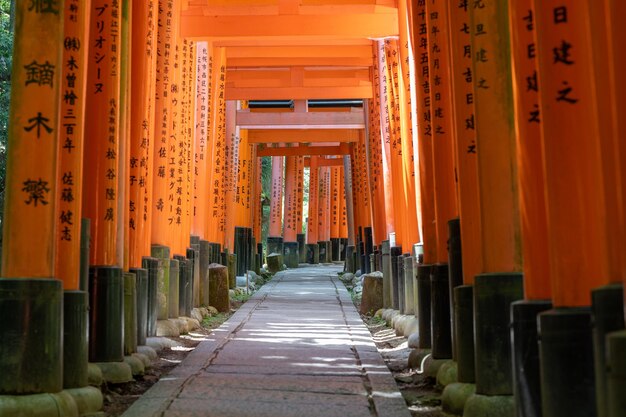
x=297 y=348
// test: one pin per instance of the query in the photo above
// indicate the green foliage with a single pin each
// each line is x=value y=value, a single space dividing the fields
x=241 y=297
x=212 y=322
x=6 y=60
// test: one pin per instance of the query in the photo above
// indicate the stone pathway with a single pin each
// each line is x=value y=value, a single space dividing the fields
x=297 y=348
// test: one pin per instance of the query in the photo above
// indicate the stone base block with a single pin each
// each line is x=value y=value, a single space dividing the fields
x=88 y=400
x=115 y=372
x=60 y=404
x=447 y=373
x=147 y=351
x=136 y=365
x=417 y=358
x=432 y=366
x=94 y=375
x=143 y=358
x=489 y=406
x=167 y=328
x=455 y=396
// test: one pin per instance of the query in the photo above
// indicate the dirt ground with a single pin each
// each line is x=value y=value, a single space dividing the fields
x=119 y=397
x=421 y=394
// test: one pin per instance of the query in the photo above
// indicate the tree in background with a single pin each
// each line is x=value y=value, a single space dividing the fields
x=6 y=60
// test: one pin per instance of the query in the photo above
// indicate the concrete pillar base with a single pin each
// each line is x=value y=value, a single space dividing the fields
x=447 y=373
x=173 y=298
x=75 y=344
x=489 y=406
x=291 y=254
x=274 y=245
x=423 y=305
x=432 y=366
x=616 y=376
x=566 y=357
x=526 y=381
x=464 y=329
x=147 y=351
x=155 y=272
x=313 y=254
x=350 y=260
x=335 y=250
x=417 y=358
x=88 y=400
x=94 y=375
x=441 y=331
x=168 y=328
x=454 y=397
x=386 y=267
x=301 y=247
x=106 y=314
x=143 y=358
x=137 y=366
x=60 y=404
x=163 y=284
x=115 y=372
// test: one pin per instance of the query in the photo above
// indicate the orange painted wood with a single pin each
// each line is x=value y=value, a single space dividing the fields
x=312 y=222
x=375 y=165
x=142 y=129
x=311 y=26
x=201 y=156
x=123 y=163
x=323 y=208
x=465 y=141
x=299 y=51
x=276 y=199
x=299 y=92
x=342 y=149
x=442 y=123
x=574 y=191
x=405 y=91
x=100 y=185
x=290 y=206
x=392 y=100
x=381 y=69
x=230 y=177
x=501 y=243
x=334 y=202
x=616 y=10
x=425 y=134
x=33 y=130
x=303 y=136
x=258 y=207
x=343 y=213
x=299 y=193
x=165 y=45
x=609 y=142
x=70 y=146
x=309 y=120
x=532 y=201
x=215 y=224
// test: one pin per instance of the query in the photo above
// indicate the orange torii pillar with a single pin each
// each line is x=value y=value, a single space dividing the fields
x=501 y=281
x=426 y=174
x=257 y=215
x=32 y=299
x=312 y=249
x=290 y=238
x=467 y=188
x=323 y=208
x=231 y=167
x=335 y=178
x=608 y=300
x=534 y=232
x=569 y=35
x=375 y=164
x=406 y=90
x=142 y=134
x=201 y=166
x=343 y=216
x=362 y=204
x=69 y=197
x=446 y=274
x=380 y=79
x=101 y=186
x=300 y=235
x=616 y=341
x=274 y=242
x=215 y=224
x=161 y=232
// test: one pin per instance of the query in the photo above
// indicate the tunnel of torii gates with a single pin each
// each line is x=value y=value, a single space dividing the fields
x=474 y=151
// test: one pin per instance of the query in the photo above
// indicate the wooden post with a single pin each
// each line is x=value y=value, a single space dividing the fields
x=312 y=223
x=71 y=140
x=142 y=127
x=231 y=168
x=465 y=140
x=276 y=208
x=442 y=126
x=289 y=233
x=300 y=193
x=100 y=188
x=201 y=187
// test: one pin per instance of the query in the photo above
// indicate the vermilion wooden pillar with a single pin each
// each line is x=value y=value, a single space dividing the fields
x=374 y=160
x=299 y=193
x=381 y=66
x=441 y=124
x=71 y=142
x=204 y=69
x=215 y=225
x=289 y=233
x=465 y=140
x=575 y=194
x=28 y=257
x=312 y=222
x=500 y=284
x=142 y=130
x=406 y=106
x=276 y=208
x=425 y=134
x=232 y=140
